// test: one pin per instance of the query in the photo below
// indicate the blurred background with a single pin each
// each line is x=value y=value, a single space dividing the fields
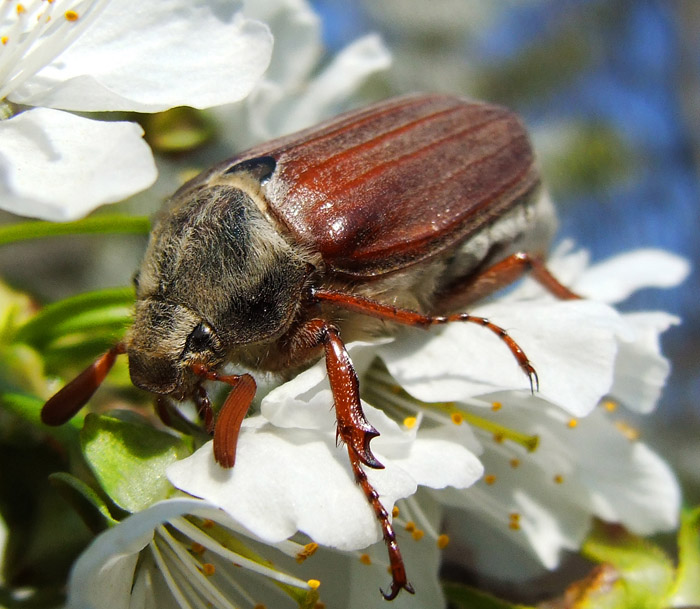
x=610 y=90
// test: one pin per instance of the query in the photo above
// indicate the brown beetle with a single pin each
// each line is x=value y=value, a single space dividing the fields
x=402 y=212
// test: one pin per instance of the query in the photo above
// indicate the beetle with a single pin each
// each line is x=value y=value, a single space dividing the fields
x=399 y=213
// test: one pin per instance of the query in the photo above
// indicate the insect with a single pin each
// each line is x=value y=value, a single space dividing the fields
x=400 y=213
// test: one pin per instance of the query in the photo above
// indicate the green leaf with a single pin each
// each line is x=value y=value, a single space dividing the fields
x=78 y=313
x=129 y=459
x=687 y=586
x=91 y=508
x=645 y=570
x=24 y=231
x=465 y=597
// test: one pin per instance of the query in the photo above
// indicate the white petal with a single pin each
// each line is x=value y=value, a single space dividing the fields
x=615 y=279
x=103 y=574
x=150 y=57
x=58 y=166
x=641 y=370
x=286 y=480
x=571 y=344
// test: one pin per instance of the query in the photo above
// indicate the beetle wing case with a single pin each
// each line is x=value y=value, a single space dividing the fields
x=396 y=183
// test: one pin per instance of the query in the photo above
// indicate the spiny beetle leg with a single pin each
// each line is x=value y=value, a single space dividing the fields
x=413 y=318
x=69 y=400
x=230 y=417
x=466 y=291
x=399 y=580
x=353 y=428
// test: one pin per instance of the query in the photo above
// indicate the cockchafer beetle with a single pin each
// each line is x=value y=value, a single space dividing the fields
x=403 y=212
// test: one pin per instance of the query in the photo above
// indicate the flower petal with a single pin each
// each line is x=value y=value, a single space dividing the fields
x=103 y=574
x=572 y=345
x=640 y=369
x=58 y=166
x=286 y=480
x=156 y=56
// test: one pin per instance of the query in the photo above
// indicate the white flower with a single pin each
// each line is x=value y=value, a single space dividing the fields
x=179 y=553
x=295 y=92
x=552 y=460
x=102 y=55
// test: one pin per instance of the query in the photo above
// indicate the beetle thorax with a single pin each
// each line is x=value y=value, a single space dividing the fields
x=213 y=259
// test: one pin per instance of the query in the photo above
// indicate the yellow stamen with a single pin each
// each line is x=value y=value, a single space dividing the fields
x=572 y=423
x=313 y=584
x=197 y=548
x=515 y=463
x=559 y=479
x=365 y=559
x=308 y=550
x=489 y=479
x=207 y=523
x=395 y=511
x=259 y=606
x=442 y=541
x=4 y=39
x=631 y=433
x=457 y=418
x=320 y=605
x=418 y=534
x=208 y=569
x=496 y=406
x=21 y=9
x=71 y=16
x=410 y=526
x=514 y=525
x=410 y=422
x=609 y=405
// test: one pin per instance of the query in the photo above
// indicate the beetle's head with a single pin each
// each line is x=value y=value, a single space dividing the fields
x=163 y=344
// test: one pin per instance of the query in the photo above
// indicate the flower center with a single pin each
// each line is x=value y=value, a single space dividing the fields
x=34 y=33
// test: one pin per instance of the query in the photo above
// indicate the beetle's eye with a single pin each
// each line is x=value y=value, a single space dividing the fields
x=200 y=339
x=261 y=168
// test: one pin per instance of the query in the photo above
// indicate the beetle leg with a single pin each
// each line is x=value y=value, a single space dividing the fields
x=231 y=414
x=413 y=318
x=204 y=409
x=398 y=570
x=353 y=427
x=356 y=432
x=491 y=279
x=69 y=400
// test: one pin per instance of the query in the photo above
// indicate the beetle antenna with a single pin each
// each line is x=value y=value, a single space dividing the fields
x=68 y=401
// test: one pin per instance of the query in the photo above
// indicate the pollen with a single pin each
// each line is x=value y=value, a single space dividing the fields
x=208 y=569
x=314 y=584
x=443 y=541
x=21 y=9
x=631 y=433
x=572 y=423
x=410 y=422
x=514 y=521
x=496 y=406
x=365 y=559
x=410 y=526
x=457 y=418
x=4 y=39
x=498 y=438
x=489 y=479
x=395 y=512
x=197 y=548
x=418 y=534
x=308 y=550
x=559 y=479
x=515 y=463
x=609 y=405
x=71 y=16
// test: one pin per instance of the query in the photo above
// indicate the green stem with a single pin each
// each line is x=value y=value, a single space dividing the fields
x=24 y=231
